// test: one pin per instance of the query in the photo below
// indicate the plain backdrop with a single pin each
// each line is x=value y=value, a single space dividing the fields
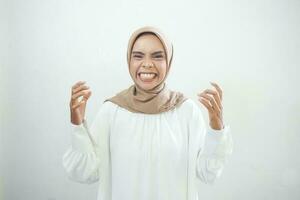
x=250 y=48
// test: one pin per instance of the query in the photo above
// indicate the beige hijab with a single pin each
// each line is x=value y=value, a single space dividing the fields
x=157 y=100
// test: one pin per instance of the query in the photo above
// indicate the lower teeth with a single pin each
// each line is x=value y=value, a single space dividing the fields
x=147 y=79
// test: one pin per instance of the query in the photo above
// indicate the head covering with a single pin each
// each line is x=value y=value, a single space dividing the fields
x=156 y=100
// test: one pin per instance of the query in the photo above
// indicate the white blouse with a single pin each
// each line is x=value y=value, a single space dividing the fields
x=136 y=156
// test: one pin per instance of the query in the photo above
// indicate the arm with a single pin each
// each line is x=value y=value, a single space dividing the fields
x=88 y=149
x=216 y=141
x=213 y=154
x=213 y=147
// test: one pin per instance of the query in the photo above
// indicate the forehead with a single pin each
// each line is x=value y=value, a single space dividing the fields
x=148 y=42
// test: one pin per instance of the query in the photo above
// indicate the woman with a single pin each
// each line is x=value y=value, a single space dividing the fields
x=148 y=142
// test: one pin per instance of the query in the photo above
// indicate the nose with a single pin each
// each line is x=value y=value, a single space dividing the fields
x=147 y=64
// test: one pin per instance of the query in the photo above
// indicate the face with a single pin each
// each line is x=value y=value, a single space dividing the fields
x=148 y=63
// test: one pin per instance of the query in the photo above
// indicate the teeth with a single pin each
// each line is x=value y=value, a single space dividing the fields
x=147 y=75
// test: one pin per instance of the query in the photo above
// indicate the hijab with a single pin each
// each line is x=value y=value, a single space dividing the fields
x=156 y=100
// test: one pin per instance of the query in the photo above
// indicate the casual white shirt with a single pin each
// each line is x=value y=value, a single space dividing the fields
x=136 y=156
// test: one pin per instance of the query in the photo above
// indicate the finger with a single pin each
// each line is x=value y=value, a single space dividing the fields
x=78 y=104
x=81 y=87
x=216 y=96
x=205 y=102
x=218 y=88
x=78 y=84
x=211 y=100
x=87 y=96
x=84 y=93
x=80 y=93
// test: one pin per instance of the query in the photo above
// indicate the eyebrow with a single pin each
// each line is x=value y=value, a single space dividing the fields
x=154 y=53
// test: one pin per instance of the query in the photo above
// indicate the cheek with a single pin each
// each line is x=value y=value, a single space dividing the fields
x=133 y=68
x=162 y=69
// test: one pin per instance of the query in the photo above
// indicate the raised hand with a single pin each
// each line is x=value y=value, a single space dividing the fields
x=212 y=100
x=77 y=108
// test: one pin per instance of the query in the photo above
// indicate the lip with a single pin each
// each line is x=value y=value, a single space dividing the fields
x=138 y=74
x=147 y=73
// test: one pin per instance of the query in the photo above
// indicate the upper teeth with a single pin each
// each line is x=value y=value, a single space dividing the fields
x=147 y=74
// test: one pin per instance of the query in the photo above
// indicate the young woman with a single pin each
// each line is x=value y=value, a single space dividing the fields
x=148 y=142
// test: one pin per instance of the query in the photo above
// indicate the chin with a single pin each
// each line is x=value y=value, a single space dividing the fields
x=147 y=86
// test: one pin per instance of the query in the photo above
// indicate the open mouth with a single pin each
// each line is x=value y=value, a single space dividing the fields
x=147 y=77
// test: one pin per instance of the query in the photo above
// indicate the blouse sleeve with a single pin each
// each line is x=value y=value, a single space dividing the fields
x=215 y=148
x=88 y=149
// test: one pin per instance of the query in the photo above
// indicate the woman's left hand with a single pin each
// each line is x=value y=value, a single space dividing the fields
x=212 y=100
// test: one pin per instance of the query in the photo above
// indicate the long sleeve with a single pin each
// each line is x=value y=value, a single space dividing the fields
x=215 y=148
x=88 y=149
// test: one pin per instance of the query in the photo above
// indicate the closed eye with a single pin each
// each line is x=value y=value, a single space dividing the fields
x=158 y=57
x=137 y=56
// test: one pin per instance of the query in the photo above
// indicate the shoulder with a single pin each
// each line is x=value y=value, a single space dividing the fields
x=105 y=112
x=106 y=108
x=189 y=110
x=108 y=105
x=188 y=106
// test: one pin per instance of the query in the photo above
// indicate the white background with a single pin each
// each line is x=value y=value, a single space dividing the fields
x=250 y=48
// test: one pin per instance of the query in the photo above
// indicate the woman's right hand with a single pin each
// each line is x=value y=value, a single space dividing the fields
x=77 y=107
